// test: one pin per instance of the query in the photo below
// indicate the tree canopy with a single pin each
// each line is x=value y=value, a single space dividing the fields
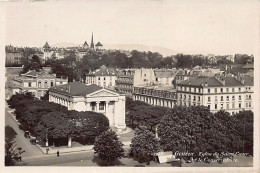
x=108 y=147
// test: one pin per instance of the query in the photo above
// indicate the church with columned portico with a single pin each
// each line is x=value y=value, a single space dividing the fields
x=90 y=97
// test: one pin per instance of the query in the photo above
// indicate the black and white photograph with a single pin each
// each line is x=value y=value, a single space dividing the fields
x=149 y=85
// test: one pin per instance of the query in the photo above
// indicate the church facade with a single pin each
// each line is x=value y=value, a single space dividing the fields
x=90 y=97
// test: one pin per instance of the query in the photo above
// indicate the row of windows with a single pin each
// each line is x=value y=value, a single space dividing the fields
x=189 y=97
x=104 y=84
x=155 y=92
x=228 y=98
x=105 y=78
x=227 y=90
x=210 y=90
x=197 y=98
x=248 y=105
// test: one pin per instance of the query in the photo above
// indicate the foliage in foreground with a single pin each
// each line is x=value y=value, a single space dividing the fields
x=108 y=147
x=195 y=129
x=144 y=144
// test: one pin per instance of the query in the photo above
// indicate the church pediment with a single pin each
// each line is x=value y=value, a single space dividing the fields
x=103 y=93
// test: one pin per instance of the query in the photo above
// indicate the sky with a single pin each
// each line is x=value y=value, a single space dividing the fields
x=198 y=26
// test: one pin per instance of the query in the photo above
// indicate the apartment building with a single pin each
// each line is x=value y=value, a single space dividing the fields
x=227 y=92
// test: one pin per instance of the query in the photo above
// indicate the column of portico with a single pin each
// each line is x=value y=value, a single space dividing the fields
x=88 y=108
x=97 y=106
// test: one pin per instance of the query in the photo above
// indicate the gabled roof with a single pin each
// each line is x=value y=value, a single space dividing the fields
x=98 y=44
x=76 y=89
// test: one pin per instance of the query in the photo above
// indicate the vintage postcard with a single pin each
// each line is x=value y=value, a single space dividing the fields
x=124 y=86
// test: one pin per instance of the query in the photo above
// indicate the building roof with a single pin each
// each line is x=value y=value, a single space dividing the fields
x=98 y=44
x=104 y=71
x=46 y=45
x=76 y=89
x=214 y=82
x=85 y=44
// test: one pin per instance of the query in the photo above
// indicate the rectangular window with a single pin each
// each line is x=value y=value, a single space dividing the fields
x=189 y=97
x=249 y=104
x=227 y=98
x=208 y=99
x=233 y=90
x=249 y=88
x=104 y=78
x=227 y=90
x=227 y=106
x=239 y=89
x=208 y=90
x=216 y=106
x=246 y=105
x=221 y=90
x=194 y=98
x=216 y=90
x=194 y=89
x=99 y=78
x=249 y=96
x=221 y=98
x=51 y=83
x=216 y=98
x=29 y=84
x=239 y=97
x=198 y=98
x=239 y=105
x=209 y=106
x=233 y=97
x=221 y=106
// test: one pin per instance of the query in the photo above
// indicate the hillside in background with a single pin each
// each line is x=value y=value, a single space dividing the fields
x=130 y=47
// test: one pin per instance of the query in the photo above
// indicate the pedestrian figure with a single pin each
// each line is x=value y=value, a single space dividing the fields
x=58 y=153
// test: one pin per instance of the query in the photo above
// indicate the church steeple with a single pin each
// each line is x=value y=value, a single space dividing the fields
x=92 y=43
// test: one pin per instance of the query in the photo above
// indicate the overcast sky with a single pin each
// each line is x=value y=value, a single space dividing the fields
x=213 y=26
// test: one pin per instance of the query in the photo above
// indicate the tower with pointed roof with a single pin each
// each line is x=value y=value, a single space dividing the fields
x=85 y=45
x=47 y=51
x=92 y=43
x=99 y=46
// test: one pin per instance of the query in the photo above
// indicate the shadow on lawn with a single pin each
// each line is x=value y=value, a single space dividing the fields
x=100 y=162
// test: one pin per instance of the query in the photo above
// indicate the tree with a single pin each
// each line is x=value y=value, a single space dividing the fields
x=14 y=101
x=195 y=129
x=145 y=144
x=12 y=152
x=54 y=126
x=108 y=147
x=88 y=125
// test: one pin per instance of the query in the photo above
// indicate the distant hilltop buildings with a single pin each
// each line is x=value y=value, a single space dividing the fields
x=15 y=56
